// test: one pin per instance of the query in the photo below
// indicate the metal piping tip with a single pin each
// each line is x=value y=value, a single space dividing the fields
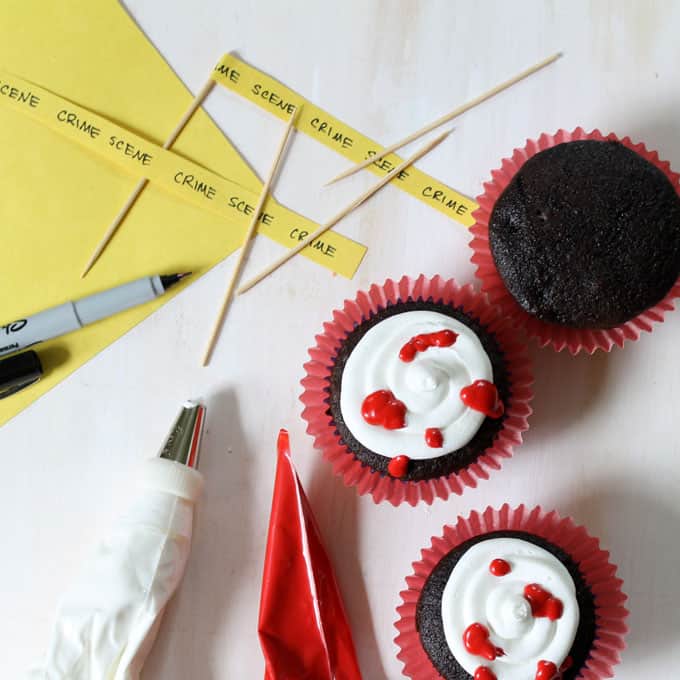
x=184 y=440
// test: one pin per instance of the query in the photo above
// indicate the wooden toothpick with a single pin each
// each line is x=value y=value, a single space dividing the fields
x=447 y=117
x=229 y=295
x=118 y=220
x=345 y=211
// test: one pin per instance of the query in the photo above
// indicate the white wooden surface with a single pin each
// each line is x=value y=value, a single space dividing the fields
x=603 y=443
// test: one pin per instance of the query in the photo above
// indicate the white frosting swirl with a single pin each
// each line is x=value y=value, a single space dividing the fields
x=474 y=595
x=429 y=385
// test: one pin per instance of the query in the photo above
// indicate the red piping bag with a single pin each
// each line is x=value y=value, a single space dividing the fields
x=303 y=629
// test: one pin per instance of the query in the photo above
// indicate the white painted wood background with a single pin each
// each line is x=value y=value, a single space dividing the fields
x=603 y=442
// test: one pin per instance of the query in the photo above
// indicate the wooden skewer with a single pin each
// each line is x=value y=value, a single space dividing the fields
x=345 y=211
x=229 y=295
x=118 y=220
x=447 y=117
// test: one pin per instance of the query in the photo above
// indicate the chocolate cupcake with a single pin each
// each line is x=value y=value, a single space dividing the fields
x=512 y=595
x=578 y=239
x=416 y=390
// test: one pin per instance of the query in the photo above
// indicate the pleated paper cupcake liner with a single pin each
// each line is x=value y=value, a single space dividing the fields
x=316 y=386
x=593 y=563
x=559 y=337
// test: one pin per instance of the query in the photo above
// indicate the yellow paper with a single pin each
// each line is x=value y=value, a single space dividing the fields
x=57 y=198
x=280 y=100
x=178 y=175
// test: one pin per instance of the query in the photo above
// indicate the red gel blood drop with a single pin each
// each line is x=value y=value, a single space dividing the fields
x=476 y=641
x=398 y=466
x=543 y=604
x=408 y=352
x=383 y=408
x=484 y=673
x=547 y=670
x=500 y=567
x=444 y=338
x=482 y=396
x=423 y=342
x=554 y=609
x=434 y=437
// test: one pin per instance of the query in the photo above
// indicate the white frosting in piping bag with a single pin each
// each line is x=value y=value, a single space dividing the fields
x=474 y=595
x=429 y=385
x=108 y=619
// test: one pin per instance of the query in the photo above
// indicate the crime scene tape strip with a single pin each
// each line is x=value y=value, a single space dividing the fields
x=280 y=100
x=180 y=176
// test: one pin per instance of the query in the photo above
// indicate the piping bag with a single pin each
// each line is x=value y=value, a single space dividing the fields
x=303 y=629
x=107 y=622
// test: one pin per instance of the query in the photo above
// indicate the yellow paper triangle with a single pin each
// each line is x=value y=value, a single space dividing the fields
x=57 y=199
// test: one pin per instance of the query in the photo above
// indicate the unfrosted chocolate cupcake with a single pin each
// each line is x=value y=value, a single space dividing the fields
x=577 y=239
x=587 y=234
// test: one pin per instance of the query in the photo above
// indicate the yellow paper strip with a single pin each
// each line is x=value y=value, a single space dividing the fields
x=279 y=100
x=176 y=174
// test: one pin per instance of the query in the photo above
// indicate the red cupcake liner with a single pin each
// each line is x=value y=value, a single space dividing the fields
x=316 y=384
x=593 y=563
x=575 y=339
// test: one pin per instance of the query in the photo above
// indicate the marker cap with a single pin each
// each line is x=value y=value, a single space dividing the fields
x=19 y=371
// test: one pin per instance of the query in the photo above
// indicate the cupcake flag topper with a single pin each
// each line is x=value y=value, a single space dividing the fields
x=303 y=629
x=360 y=200
x=250 y=234
x=196 y=104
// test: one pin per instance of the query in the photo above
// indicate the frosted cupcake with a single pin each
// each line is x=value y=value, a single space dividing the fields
x=416 y=390
x=578 y=239
x=512 y=595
